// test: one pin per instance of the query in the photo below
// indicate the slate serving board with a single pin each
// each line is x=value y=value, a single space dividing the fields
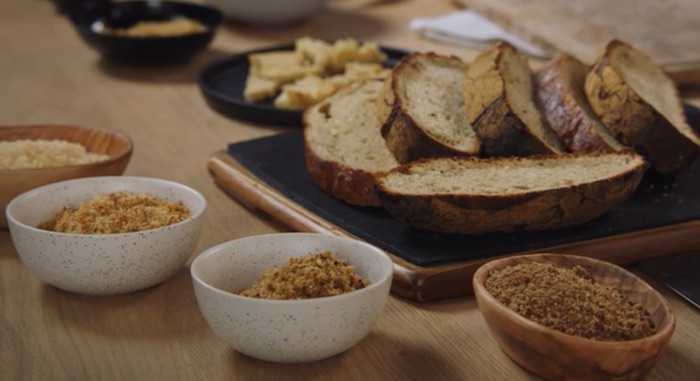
x=662 y=218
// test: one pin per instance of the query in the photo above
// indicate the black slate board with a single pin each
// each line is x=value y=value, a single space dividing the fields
x=279 y=161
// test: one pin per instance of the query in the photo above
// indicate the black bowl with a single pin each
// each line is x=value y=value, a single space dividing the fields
x=138 y=49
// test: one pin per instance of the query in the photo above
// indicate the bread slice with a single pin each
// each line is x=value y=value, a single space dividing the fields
x=640 y=105
x=427 y=117
x=560 y=96
x=344 y=148
x=475 y=196
x=500 y=105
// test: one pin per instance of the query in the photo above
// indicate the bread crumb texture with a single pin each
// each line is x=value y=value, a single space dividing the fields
x=310 y=276
x=119 y=212
x=569 y=300
x=40 y=153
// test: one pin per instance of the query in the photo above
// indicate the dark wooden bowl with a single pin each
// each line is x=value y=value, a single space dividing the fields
x=17 y=181
x=557 y=356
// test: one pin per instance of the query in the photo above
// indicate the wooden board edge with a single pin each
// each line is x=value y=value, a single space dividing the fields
x=424 y=284
x=230 y=175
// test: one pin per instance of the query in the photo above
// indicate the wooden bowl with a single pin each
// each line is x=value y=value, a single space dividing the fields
x=17 y=181
x=557 y=356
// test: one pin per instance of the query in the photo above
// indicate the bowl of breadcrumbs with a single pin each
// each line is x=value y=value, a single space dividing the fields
x=292 y=297
x=32 y=156
x=106 y=235
x=574 y=318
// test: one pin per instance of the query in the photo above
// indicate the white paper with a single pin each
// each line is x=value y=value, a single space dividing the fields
x=469 y=29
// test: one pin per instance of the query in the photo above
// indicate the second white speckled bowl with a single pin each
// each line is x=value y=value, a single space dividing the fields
x=288 y=331
x=102 y=264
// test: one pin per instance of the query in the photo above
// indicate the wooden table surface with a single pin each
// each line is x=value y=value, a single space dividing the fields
x=49 y=76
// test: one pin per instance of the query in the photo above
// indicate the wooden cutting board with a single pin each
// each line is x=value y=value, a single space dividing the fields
x=667 y=30
x=444 y=280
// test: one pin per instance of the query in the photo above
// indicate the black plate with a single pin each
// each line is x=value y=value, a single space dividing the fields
x=279 y=161
x=222 y=84
x=131 y=49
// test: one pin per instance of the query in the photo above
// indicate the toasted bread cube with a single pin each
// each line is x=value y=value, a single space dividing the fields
x=304 y=93
x=359 y=71
x=344 y=51
x=258 y=89
x=281 y=67
x=370 y=52
x=317 y=53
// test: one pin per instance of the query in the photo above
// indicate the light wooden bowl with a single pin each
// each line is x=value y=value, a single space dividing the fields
x=557 y=356
x=113 y=143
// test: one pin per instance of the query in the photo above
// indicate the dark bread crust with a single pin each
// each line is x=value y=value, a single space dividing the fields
x=502 y=133
x=352 y=185
x=500 y=130
x=562 y=110
x=530 y=211
x=634 y=122
x=404 y=137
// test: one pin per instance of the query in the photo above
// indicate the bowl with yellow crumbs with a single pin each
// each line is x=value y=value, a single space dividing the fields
x=36 y=155
x=292 y=297
x=152 y=31
x=106 y=235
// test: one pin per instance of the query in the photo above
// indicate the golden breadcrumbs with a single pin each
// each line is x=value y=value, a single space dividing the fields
x=179 y=26
x=40 y=153
x=569 y=300
x=119 y=212
x=310 y=276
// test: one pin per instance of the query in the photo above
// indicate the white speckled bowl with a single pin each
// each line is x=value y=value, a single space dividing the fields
x=102 y=264
x=288 y=331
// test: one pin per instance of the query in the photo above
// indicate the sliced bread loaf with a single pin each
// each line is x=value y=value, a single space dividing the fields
x=427 y=117
x=640 y=105
x=475 y=196
x=500 y=105
x=559 y=93
x=344 y=147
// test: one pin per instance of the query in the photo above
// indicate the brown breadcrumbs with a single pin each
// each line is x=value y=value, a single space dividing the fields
x=569 y=300
x=310 y=276
x=118 y=212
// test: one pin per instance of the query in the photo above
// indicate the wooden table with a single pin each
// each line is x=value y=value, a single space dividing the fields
x=50 y=76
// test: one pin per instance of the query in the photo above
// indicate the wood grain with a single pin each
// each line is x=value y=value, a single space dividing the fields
x=50 y=76
x=558 y=356
x=666 y=30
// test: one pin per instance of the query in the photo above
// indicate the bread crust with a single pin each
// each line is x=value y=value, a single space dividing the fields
x=385 y=102
x=403 y=135
x=352 y=185
x=634 y=122
x=555 y=87
x=500 y=130
x=502 y=133
x=531 y=211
